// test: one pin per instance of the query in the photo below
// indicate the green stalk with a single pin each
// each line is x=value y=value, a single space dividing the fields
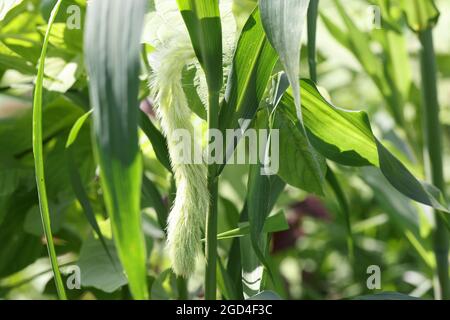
x=433 y=142
x=313 y=10
x=211 y=217
x=182 y=288
x=39 y=159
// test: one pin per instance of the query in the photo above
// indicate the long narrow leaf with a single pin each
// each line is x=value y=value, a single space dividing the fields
x=202 y=19
x=112 y=42
x=151 y=195
x=283 y=21
x=76 y=182
x=252 y=66
x=157 y=140
x=39 y=158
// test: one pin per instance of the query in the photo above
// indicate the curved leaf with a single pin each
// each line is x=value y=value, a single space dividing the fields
x=346 y=137
x=73 y=134
x=283 y=21
x=420 y=14
x=253 y=62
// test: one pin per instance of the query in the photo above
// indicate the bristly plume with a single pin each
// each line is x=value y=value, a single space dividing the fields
x=173 y=52
x=187 y=217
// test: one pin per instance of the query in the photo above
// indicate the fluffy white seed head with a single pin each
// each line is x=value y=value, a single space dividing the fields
x=187 y=216
x=173 y=52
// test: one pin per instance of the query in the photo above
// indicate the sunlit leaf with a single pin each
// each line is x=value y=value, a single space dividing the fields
x=112 y=55
x=346 y=137
x=202 y=19
x=420 y=14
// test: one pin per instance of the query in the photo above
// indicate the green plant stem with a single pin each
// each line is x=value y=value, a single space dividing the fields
x=39 y=159
x=433 y=142
x=182 y=288
x=313 y=10
x=211 y=217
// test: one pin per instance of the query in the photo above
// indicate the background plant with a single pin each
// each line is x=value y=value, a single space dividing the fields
x=342 y=199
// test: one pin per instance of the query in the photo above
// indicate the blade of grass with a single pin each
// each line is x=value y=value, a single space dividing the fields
x=39 y=158
x=253 y=63
x=312 y=28
x=151 y=194
x=157 y=140
x=77 y=183
x=112 y=54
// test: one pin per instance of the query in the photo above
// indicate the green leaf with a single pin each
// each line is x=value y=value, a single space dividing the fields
x=9 y=178
x=340 y=135
x=253 y=62
x=261 y=196
x=60 y=74
x=73 y=134
x=420 y=14
x=76 y=181
x=112 y=54
x=20 y=248
x=157 y=140
x=346 y=137
x=274 y=223
x=63 y=38
x=224 y=282
x=11 y=60
x=202 y=19
x=283 y=22
x=39 y=158
x=252 y=266
x=6 y=6
x=234 y=267
x=152 y=197
x=190 y=88
x=300 y=165
x=16 y=132
x=32 y=221
x=100 y=269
